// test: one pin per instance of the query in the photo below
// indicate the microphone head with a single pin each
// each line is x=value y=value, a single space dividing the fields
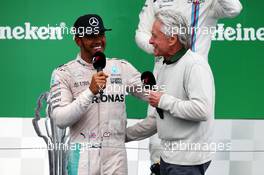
x=99 y=61
x=148 y=78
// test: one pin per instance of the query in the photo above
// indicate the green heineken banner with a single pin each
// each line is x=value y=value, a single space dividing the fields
x=33 y=43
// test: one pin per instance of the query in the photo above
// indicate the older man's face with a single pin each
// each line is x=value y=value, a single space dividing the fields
x=159 y=40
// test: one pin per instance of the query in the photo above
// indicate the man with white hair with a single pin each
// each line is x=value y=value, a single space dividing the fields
x=187 y=101
x=201 y=14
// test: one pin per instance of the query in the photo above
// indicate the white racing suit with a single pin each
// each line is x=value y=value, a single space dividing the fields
x=94 y=121
x=200 y=14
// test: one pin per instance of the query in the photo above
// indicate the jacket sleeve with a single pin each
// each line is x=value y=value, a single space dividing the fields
x=143 y=129
x=64 y=109
x=226 y=8
x=143 y=32
x=134 y=85
x=200 y=91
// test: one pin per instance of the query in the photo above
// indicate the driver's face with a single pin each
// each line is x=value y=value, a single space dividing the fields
x=92 y=43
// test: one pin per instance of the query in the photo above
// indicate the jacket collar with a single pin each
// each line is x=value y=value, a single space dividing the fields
x=83 y=63
x=176 y=57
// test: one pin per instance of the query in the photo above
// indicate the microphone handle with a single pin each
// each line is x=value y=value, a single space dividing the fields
x=101 y=91
x=99 y=69
x=160 y=112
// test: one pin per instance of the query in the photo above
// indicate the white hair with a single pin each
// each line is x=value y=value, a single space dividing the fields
x=174 y=23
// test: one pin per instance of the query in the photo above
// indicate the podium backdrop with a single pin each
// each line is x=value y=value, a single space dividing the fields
x=28 y=53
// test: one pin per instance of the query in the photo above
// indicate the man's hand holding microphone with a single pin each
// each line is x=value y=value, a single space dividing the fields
x=98 y=82
x=149 y=82
x=99 y=79
x=154 y=98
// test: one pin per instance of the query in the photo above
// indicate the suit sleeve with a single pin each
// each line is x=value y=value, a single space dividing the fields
x=143 y=129
x=64 y=109
x=134 y=85
x=143 y=32
x=226 y=8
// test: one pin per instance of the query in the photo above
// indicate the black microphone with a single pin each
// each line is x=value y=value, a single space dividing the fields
x=149 y=81
x=99 y=63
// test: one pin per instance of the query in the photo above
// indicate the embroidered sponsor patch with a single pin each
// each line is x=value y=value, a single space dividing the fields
x=116 y=80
